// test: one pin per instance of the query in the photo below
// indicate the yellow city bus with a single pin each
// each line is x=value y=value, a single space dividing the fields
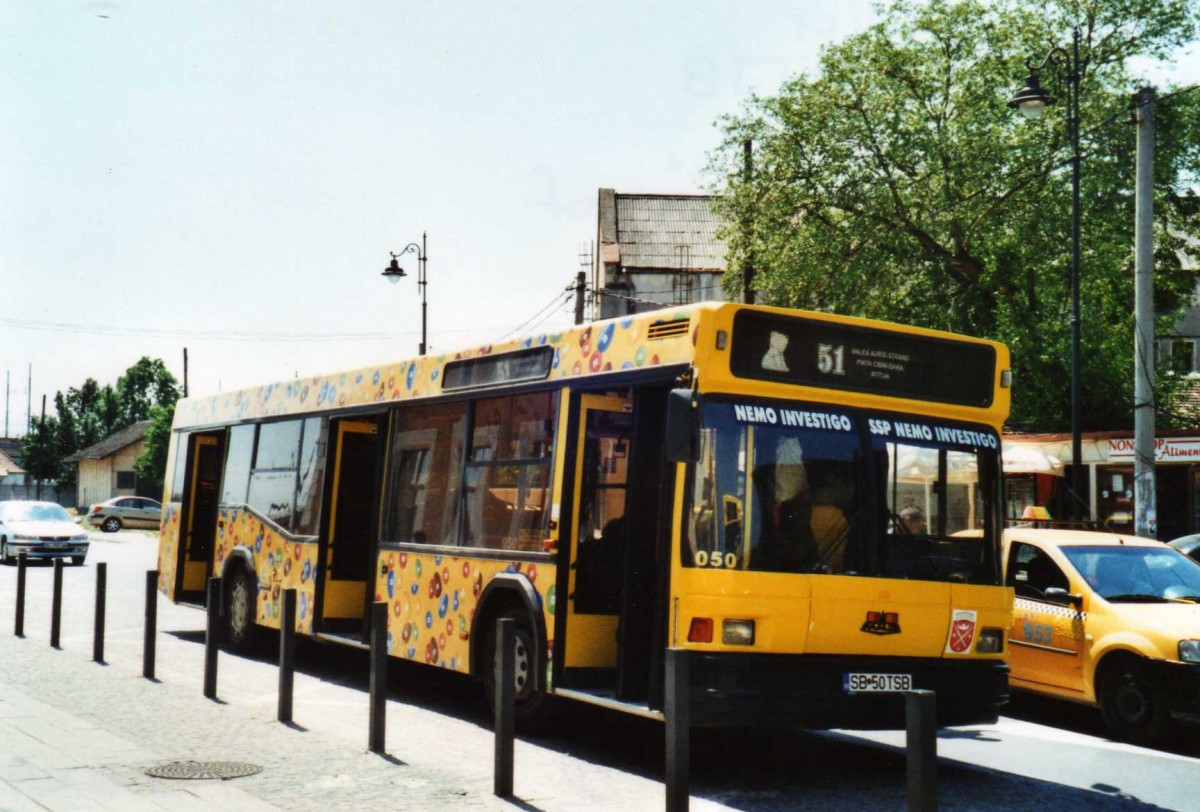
x=810 y=504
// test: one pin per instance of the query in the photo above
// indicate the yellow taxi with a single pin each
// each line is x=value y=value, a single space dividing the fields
x=1107 y=620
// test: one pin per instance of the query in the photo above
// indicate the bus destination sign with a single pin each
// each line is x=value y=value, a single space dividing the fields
x=861 y=359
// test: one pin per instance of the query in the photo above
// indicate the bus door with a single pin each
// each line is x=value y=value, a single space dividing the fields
x=598 y=531
x=205 y=459
x=348 y=549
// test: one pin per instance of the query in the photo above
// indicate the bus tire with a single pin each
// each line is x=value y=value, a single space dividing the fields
x=1133 y=706
x=531 y=703
x=241 y=600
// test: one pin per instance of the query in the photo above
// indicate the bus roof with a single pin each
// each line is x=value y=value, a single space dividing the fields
x=641 y=342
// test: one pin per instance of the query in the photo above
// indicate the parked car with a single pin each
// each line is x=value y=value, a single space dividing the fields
x=40 y=530
x=1188 y=545
x=1106 y=620
x=125 y=511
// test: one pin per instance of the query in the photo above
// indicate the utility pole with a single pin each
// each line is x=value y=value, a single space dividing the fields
x=185 y=390
x=1145 y=513
x=580 y=285
x=42 y=432
x=748 y=225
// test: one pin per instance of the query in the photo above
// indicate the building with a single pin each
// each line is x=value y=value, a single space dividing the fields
x=106 y=468
x=13 y=480
x=656 y=251
x=1108 y=460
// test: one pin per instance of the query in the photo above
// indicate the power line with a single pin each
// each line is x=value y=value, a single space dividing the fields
x=558 y=299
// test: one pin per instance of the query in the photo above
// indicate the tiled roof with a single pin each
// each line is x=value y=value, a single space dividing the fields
x=112 y=443
x=7 y=466
x=669 y=232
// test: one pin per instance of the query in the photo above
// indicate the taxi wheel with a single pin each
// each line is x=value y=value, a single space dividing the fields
x=1133 y=706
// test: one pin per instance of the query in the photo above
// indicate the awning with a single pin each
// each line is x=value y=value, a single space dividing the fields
x=1029 y=459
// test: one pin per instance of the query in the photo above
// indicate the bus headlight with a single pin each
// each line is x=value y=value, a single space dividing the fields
x=1189 y=651
x=737 y=632
x=991 y=641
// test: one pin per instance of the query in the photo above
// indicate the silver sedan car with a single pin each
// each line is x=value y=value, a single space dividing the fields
x=40 y=530
x=125 y=511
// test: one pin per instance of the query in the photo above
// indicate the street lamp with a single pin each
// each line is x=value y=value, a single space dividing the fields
x=1031 y=100
x=394 y=273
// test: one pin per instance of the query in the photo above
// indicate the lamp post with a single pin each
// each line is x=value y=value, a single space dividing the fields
x=1031 y=100
x=394 y=273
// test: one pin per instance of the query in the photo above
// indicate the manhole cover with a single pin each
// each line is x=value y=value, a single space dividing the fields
x=204 y=769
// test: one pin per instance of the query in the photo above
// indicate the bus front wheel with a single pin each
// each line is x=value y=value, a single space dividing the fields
x=531 y=703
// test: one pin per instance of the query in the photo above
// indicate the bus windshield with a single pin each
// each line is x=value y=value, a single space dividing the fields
x=796 y=488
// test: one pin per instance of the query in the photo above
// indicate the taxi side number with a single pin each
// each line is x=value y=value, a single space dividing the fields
x=1038 y=632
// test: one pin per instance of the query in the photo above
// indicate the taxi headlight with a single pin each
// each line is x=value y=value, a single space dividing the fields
x=1189 y=651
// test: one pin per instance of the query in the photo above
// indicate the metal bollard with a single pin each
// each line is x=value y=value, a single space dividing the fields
x=921 y=715
x=287 y=655
x=504 y=702
x=378 y=687
x=212 y=636
x=56 y=604
x=151 y=628
x=98 y=629
x=19 y=621
x=677 y=702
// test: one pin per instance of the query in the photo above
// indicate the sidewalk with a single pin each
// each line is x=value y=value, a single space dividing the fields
x=75 y=734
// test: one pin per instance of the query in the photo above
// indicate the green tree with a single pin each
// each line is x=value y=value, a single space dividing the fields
x=151 y=466
x=144 y=385
x=897 y=184
x=40 y=453
x=88 y=414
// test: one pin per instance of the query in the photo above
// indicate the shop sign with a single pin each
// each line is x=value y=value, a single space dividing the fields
x=1166 y=449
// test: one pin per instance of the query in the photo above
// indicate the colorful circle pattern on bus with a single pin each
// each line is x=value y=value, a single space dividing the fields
x=433 y=600
x=595 y=349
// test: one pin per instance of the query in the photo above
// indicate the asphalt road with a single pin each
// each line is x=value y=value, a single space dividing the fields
x=1042 y=754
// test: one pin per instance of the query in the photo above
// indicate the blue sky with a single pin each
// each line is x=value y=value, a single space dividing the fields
x=230 y=177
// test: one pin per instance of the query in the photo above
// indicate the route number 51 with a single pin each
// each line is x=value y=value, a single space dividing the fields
x=831 y=359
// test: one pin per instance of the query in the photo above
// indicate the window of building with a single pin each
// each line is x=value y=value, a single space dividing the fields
x=126 y=480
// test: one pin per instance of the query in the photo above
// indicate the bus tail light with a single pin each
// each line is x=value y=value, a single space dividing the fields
x=737 y=632
x=991 y=641
x=701 y=630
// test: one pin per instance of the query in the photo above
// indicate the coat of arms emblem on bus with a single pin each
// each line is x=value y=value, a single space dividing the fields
x=962 y=631
x=882 y=623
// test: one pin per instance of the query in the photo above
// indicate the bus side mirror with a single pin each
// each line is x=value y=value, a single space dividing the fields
x=683 y=434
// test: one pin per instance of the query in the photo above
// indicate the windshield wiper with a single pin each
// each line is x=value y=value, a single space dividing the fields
x=1135 y=598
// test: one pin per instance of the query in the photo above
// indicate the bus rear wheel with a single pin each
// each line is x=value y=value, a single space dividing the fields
x=531 y=704
x=241 y=599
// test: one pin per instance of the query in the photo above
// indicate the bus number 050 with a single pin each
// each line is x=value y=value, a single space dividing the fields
x=716 y=560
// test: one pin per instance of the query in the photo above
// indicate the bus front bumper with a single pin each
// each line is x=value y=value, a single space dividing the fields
x=808 y=691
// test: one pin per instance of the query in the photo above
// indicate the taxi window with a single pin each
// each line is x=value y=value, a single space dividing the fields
x=1031 y=572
